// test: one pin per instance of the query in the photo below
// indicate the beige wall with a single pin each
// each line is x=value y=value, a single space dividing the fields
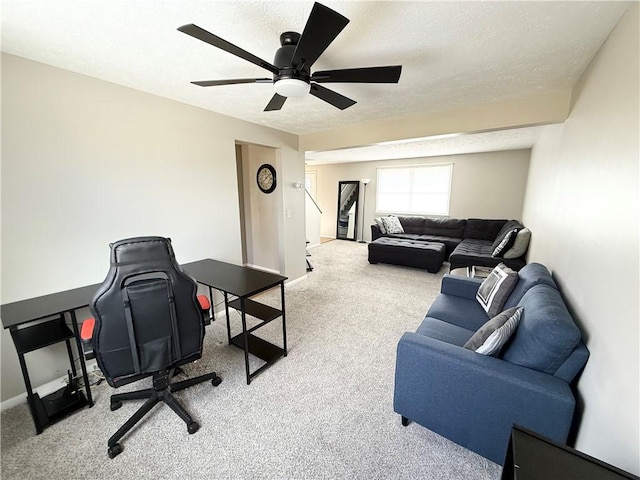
x=473 y=192
x=86 y=162
x=582 y=205
x=262 y=210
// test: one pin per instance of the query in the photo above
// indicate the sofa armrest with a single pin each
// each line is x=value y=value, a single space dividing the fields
x=375 y=232
x=464 y=287
x=473 y=399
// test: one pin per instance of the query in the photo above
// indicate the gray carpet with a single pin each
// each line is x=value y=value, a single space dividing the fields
x=325 y=411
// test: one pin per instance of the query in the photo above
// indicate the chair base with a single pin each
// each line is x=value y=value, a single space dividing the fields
x=162 y=391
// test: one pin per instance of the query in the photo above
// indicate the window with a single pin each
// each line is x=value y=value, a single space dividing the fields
x=420 y=189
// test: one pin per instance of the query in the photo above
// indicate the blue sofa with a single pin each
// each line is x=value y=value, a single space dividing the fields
x=473 y=399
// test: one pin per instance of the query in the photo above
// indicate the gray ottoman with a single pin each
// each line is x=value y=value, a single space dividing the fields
x=409 y=253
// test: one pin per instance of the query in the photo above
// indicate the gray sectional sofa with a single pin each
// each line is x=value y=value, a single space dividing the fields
x=467 y=242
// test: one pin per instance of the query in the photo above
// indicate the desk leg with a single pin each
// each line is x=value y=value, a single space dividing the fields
x=83 y=366
x=212 y=312
x=284 y=322
x=226 y=310
x=30 y=397
x=246 y=339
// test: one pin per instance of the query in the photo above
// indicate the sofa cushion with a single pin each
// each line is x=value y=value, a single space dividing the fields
x=506 y=228
x=547 y=335
x=392 y=224
x=445 y=227
x=482 y=229
x=466 y=313
x=521 y=244
x=413 y=224
x=478 y=253
x=443 y=331
x=496 y=288
x=530 y=275
x=490 y=337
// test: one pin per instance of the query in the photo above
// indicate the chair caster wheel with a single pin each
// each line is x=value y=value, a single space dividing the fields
x=215 y=381
x=114 y=450
x=193 y=427
x=114 y=406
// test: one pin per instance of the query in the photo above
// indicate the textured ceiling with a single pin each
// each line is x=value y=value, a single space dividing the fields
x=454 y=54
x=512 y=139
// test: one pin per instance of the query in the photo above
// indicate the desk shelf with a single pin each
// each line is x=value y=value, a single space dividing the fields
x=258 y=347
x=42 y=335
x=256 y=309
x=59 y=404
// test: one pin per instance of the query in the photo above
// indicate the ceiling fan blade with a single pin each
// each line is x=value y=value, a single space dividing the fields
x=329 y=96
x=276 y=103
x=390 y=74
x=322 y=27
x=210 y=38
x=233 y=81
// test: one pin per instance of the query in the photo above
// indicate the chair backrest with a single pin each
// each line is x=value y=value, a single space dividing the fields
x=147 y=318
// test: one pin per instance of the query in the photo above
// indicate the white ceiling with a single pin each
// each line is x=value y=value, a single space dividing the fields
x=512 y=139
x=454 y=54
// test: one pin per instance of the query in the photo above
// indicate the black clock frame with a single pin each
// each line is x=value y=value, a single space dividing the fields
x=273 y=174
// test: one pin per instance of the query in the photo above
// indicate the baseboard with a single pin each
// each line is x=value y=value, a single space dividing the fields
x=264 y=269
x=295 y=280
x=42 y=391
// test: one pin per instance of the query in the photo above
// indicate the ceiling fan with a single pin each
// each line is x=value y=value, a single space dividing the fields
x=291 y=67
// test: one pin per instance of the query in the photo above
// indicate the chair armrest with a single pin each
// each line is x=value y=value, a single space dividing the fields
x=464 y=287
x=474 y=399
x=205 y=305
x=86 y=337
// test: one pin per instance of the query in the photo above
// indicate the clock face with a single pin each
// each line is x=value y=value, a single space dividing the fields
x=266 y=178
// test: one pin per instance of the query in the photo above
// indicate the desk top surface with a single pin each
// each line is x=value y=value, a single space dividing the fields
x=233 y=279
x=230 y=278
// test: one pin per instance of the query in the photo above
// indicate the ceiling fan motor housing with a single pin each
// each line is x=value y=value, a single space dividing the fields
x=282 y=60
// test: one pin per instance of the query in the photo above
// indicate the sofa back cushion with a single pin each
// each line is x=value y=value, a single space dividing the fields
x=546 y=335
x=481 y=229
x=446 y=227
x=413 y=224
x=528 y=276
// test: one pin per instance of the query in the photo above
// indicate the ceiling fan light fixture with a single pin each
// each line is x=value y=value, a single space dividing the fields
x=291 y=87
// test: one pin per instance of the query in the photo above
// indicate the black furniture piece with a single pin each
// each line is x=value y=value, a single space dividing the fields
x=37 y=323
x=406 y=252
x=147 y=323
x=531 y=456
x=468 y=242
x=243 y=283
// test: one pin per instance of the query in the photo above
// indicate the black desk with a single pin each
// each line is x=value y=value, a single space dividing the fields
x=531 y=456
x=242 y=283
x=21 y=318
x=42 y=321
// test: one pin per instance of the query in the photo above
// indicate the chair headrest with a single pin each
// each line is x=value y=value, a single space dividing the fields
x=141 y=249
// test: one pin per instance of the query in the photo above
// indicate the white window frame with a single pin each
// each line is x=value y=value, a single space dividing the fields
x=408 y=209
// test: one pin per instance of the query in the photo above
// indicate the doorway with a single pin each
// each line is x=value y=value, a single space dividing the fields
x=259 y=217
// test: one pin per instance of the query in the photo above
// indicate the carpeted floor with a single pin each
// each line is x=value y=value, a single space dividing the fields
x=325 y=411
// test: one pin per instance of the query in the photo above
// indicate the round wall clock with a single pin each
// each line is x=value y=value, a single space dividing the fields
x=266 y=178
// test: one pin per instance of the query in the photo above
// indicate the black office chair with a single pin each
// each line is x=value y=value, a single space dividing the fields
x=147 y=323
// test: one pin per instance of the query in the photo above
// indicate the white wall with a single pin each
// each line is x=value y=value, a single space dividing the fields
x=86 y=162
x=582 y=205
x=473 y=190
